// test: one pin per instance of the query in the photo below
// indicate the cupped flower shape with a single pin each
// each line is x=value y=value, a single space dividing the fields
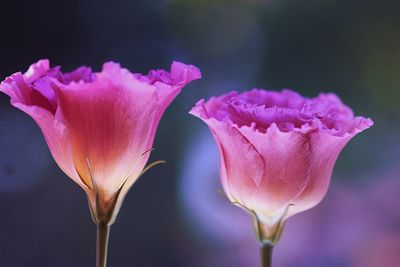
x=278 y=149
x=99 y=126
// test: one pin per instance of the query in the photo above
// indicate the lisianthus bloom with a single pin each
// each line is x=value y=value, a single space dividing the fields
x=278 y=149
x=99 y=126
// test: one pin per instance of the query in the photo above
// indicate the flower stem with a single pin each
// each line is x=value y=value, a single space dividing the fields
x=266 y=255
x=103 y=231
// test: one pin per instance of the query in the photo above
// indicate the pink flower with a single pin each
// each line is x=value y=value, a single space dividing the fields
x=278 y=149
x=99 y=126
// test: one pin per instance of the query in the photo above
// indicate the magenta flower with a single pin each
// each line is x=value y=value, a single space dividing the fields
x=99 y=126
x=277 y=150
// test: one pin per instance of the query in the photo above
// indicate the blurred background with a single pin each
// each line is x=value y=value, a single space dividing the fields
x=175 y=215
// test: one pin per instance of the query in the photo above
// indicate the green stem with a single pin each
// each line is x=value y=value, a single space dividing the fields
x=266 y=255
x=103 y=231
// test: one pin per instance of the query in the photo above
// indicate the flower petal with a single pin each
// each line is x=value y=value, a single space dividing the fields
x=325 y=151
x=242 y=167
x=56 y=136
x=108 y=125
x=287 y=169
x=168 y=86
